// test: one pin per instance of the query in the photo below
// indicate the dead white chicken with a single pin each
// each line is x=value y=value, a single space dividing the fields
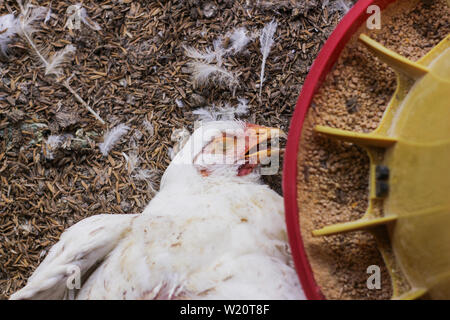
x=212 y=232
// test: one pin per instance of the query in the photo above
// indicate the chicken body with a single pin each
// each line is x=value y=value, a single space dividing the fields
x=215 y=237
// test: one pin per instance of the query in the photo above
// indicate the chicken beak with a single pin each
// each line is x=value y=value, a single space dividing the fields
x=263 y=144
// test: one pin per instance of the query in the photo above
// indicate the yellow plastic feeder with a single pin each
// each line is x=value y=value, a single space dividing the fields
x=409 y=174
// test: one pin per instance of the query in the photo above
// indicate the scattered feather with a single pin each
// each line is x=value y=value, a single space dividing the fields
x=242 y=107
x=24 y=25
x=239 y=40
x=66 y=84
x=149 y=127
x=26 y=227
x=51 y=144
x=111 y=138
x=203 y=73
x=27 y=26
x=222 y=113
x=207 y=56
x=8 y=30
x=137 y=135
x=29 y=18
x=147 y=176
x=88 y=21
x=144 y=174
x=204 y=114
x=342 y=6
x=56 y=62
x=132 y=161
x=79 y=12
x=219 y=51
x=48 y=16
x=55 y=142
x=179 y=103
x=266 y=40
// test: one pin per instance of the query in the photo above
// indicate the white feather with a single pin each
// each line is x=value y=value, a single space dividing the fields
x=266 y=41
x=29 y=17
x=219 y=51
x=88 y=21
x=59 y=58
x=179 y=103
x=203 y=114
x=222 y=113
x=337 y=6
x=132 y=161
x=239 y=40
x=208 y=55
x=342 y=6
x=54 y=142
x=149 y=127
x=48 y=15
x=8 y=30
x=144 y=174
x=80 y=12
x=203 y=73
x=242 y=107
x=112 y=137
x=27 y=25
x=51 y=144
x=147 y=176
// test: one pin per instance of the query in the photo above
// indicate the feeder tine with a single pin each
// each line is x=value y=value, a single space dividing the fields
x=362 y=139
x=360 y=224
x=401 y=64
x=413 y=294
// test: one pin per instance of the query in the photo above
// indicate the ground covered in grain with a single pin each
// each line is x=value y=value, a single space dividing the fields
x=132 y=71
x=333 y=176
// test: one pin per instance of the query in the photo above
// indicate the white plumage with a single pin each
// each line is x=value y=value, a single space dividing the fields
x=111 y=137
x=8 y=30
x=202 y=73
x=58 y=59
x=203 y=236
x=266 y=40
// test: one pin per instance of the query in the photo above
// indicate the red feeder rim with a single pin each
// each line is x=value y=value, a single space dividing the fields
x=320 y=68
